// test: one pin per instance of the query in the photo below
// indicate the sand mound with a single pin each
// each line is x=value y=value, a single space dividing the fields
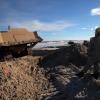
x=22 y=79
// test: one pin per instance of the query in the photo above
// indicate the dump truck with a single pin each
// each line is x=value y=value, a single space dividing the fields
x=16 y=42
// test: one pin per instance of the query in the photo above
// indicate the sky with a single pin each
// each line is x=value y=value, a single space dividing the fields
x=53 y=19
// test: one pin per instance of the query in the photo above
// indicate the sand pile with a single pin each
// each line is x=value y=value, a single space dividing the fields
x=22 y=79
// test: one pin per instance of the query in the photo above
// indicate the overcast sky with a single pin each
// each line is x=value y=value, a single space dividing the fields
x=53 y=19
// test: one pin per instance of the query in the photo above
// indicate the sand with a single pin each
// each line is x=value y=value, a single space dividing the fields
x=49 y=78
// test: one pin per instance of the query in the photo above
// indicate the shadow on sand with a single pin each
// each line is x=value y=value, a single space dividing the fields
x=77 y=89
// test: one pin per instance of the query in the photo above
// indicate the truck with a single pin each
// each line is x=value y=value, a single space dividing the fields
x=16 y=42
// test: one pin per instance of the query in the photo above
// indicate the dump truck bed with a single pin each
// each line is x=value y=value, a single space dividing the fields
x=17 y=36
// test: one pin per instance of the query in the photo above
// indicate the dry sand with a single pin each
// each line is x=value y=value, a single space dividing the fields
x=22 y=79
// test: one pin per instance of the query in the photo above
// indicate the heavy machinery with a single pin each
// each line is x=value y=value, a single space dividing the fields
x=16 y=42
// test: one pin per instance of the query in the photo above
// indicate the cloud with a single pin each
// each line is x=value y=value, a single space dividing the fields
x=95 y=11
x=43 y=26
x=89 y=28
x=92 y=29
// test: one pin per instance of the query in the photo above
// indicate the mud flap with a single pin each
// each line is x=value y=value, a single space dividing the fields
x=97 y=82
x=30 y=52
